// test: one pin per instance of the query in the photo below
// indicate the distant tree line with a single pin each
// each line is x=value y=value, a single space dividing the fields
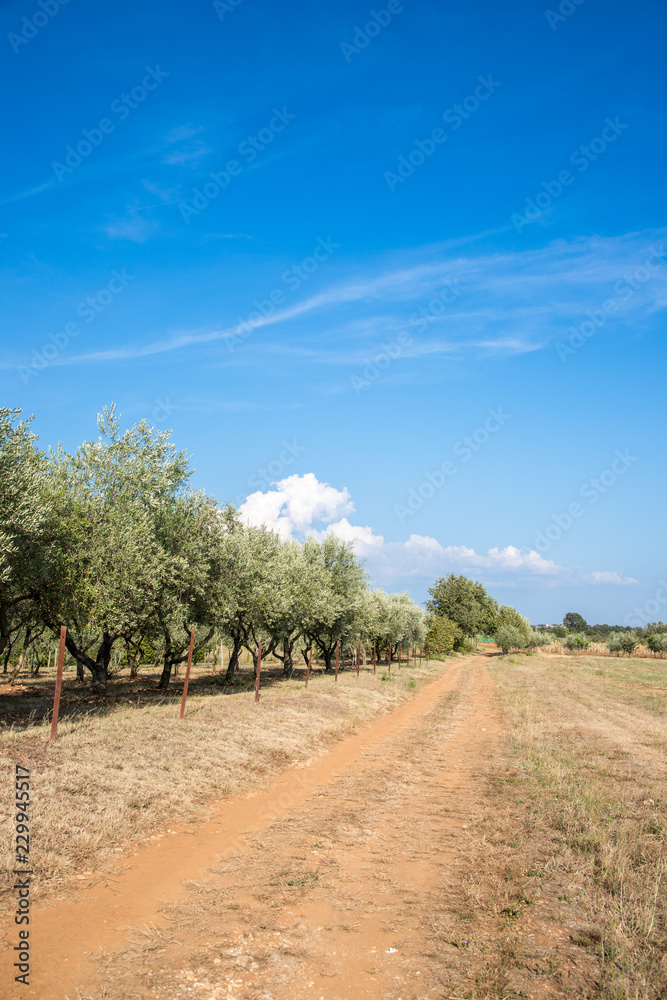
x=574 y=622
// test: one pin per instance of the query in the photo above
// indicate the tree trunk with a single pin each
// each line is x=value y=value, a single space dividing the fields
x=167 y=663
x=266 y=652
x=98 y=667
x=133 y=658
x=99 y=673
x=233 y=664
x=23 y=655
x=173 y=655
x=287 y=658
x=165 y=676
x=5 y=637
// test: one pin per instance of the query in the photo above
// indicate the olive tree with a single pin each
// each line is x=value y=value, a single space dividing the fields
x=508 y=615
x=24 y=509
x=622 y=642
x=537 y=639
x=186 y=590
x=105 y=560
x=657 y=643
x=509 y=637
x=248 y=588
x=337 y=597
x=577 y=643
x=298 y=580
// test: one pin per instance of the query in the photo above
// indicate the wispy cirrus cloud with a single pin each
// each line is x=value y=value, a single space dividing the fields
x=508 y=302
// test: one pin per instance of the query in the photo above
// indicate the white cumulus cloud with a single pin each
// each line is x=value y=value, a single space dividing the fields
x=297 y=503
x=302 y=505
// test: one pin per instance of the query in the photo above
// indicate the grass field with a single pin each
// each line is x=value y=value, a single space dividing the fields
x=584 y=807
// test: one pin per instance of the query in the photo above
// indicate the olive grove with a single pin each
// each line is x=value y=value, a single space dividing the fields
x=112 y=542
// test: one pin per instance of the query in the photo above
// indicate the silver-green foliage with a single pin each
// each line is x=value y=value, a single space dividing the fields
x=510 y=637
x=577 y=643
x=622 y=642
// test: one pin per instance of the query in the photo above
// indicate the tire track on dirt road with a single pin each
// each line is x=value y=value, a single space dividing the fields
x=325 y=884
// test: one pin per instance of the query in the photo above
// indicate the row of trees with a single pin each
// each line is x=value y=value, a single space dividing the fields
x=573 y=622
x=620 y=642
x=112 y=543
x=513 y=636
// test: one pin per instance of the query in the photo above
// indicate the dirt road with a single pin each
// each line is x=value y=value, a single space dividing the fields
x=336 y=882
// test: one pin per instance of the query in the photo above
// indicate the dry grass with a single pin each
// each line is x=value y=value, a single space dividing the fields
x=122 y=770
x=600 y=649
x=587 y=794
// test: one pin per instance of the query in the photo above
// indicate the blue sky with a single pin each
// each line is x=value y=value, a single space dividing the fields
x=327 y=246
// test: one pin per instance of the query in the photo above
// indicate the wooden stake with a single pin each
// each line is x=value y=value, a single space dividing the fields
x=187 y=672
x=358 y=655
x=259 y=667
x=389 y=657
x=337 y=652
x=408 y=656
x=310 y=653
x=373 y=657
x=59 y=680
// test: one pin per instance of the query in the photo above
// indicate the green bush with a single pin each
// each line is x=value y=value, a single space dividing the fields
x=657 y=643
x=622 y=642
x=576 y=643
x=443 y=637
x=509 y=637
x=537 y=639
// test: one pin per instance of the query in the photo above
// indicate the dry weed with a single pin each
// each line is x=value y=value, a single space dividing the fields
x=586 y=782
